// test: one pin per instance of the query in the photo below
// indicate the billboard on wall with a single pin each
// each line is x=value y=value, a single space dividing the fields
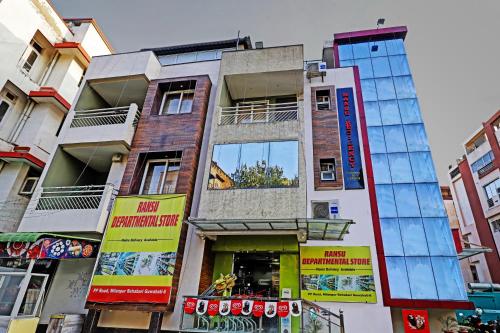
x=337 y=274
x=138 y=251
x=349 y=142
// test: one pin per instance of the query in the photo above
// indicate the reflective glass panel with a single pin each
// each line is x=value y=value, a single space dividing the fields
x=423 y=167
x=399 y=65
x=378 y=49
x=206 y=55
x=398 y=278
x=406 y=200
x=186 y=57
x=381 y=169
x=368 y=90
x=404 y=87
x=448 y=278
x=346 y=63
x=385 y=89
x=395 y=139
x=372 y=114
x=345 y=52
x=389 y=112
x=416 y=137
x=421 y=278
x=283 y=170
x=430 y=200
x=395 y=46
x=399 y=164
x=361 y=50
x=413 y=235
x=365 y=68
x=381 y=67
x=439 y=237
x=385 y=201
x=410 y=112
x=391 y=237
x=376 y=138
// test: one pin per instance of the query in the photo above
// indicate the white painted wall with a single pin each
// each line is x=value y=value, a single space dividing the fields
x=12 y=205
x=355 y=205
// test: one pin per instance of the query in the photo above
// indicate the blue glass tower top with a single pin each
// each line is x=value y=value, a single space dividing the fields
x=419 y=251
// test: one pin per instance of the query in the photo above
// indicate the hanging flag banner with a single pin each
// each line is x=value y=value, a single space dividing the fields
x=351 y=157
x=190 y=305
x=139 y=250
x=236 y=305
x=283 y=309
x=201 y=306
x=337 y=274
x=270 y=309
x=416 y=321
x=224 y=307
x=258 y=308
x=295 y=308
x=213 y=307
x=247 y=307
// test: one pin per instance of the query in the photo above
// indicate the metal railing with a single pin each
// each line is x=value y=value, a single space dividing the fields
x=313 y=319
x=71 y=197
x=102 y=117
x=258 y=113
x=486 y=169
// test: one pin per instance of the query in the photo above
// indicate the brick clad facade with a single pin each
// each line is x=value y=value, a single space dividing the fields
x=326 y=139
x=169 y=133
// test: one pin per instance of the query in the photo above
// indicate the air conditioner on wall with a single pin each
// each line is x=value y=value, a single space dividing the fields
x=324 y=209
x=315 y=69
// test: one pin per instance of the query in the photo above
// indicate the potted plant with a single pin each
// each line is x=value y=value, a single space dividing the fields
x=449 y=324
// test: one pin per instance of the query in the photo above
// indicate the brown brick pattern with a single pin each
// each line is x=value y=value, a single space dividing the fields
x=207 y=267
x=168 y=133
x=326 y=140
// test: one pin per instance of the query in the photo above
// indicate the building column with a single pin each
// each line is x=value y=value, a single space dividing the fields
x=492 y=137
x=155 y=322
x=91 y=320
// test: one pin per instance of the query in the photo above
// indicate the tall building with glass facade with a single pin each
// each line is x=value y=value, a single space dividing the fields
x=420 y=257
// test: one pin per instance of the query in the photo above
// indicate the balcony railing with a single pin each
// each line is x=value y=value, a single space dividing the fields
x=71 y=197
x=313 y=318
x=486 y=169
x=258 y=113
x=102 y=117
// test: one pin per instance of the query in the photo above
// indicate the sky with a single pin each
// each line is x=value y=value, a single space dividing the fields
x=453 y=45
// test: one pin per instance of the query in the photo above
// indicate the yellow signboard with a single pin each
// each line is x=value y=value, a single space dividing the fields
x=337 y=274
x=139 y=250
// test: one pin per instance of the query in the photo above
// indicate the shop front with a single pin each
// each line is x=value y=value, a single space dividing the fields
x=32 y=266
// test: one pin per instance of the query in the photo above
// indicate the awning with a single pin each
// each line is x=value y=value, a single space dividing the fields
x=305 y=229
x=471 y=250
x=35 y=245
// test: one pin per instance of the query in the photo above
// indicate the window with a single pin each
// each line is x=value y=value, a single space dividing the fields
x=29 y=185
x=496 y=225
x=482 y=161
x=177 y=102
x=31 y=55
x=475 y=275
x=492 y=191
x=160 y=176
x=327 y=169
x=4 y=107
x=254 y=165
x=323 y=100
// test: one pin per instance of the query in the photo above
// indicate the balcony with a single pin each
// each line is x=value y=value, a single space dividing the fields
x=486 y=169
x=258 y=113
x=114 y=125
x=69 y=209
x=312 y=318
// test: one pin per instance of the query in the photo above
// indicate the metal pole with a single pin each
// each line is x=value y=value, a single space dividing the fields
x=341 y=315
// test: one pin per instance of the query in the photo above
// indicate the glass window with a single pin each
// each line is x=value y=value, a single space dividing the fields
x=186 y=57
x=399 y=164
x=416 y=137
x=4 y=107
x=346 y=63
x=385 y=201
x=361 y=50
x=439 y=237
x=389 y=112
x=406 y=200
x=413 y=236
x=492 y=189
x=421 y=278
x=423 y=167
x=448 y=278
x=395 y=46
x=430 y=200
x=365 y=68
x=385 y=89
x=404 y=87
x=323 y=99
x=398 y=277
x=372 y=114
x=381 y=67
x=482 y=161
x=381 y=169
x=378 y=49
x=160 y=176
x=177 y=102
x=410 y=111
x=399 y=65
x=206 y=55
x=391 y=236
x=9 y=290
x=170 y=182
x=345 y=52
x=368 y=90
x=376 y=139
x=395 y=139
x=170 y=59
x=254 y=165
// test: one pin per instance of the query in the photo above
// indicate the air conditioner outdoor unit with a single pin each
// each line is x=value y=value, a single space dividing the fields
x=29 y=185
x=316 y=66
x=496 y=199
x=323 y=210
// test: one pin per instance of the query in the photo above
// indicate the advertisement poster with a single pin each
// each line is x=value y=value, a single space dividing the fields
x=416 y=321
x=337 y=274
x=138 y=251
x=349 y=142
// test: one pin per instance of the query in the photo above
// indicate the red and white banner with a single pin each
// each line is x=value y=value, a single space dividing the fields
x=247 y=307
x=225 y=307
x=213 y=307
x=258 y=308
x=190 y=305
x=201 y=306
x=236 y=305
x=270 y=309
x=283 y=309
x=295 y=308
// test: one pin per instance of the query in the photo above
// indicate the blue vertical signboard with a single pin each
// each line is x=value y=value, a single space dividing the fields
x=349 y=142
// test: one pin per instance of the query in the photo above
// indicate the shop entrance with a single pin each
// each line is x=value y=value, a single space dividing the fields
x=258 y=274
